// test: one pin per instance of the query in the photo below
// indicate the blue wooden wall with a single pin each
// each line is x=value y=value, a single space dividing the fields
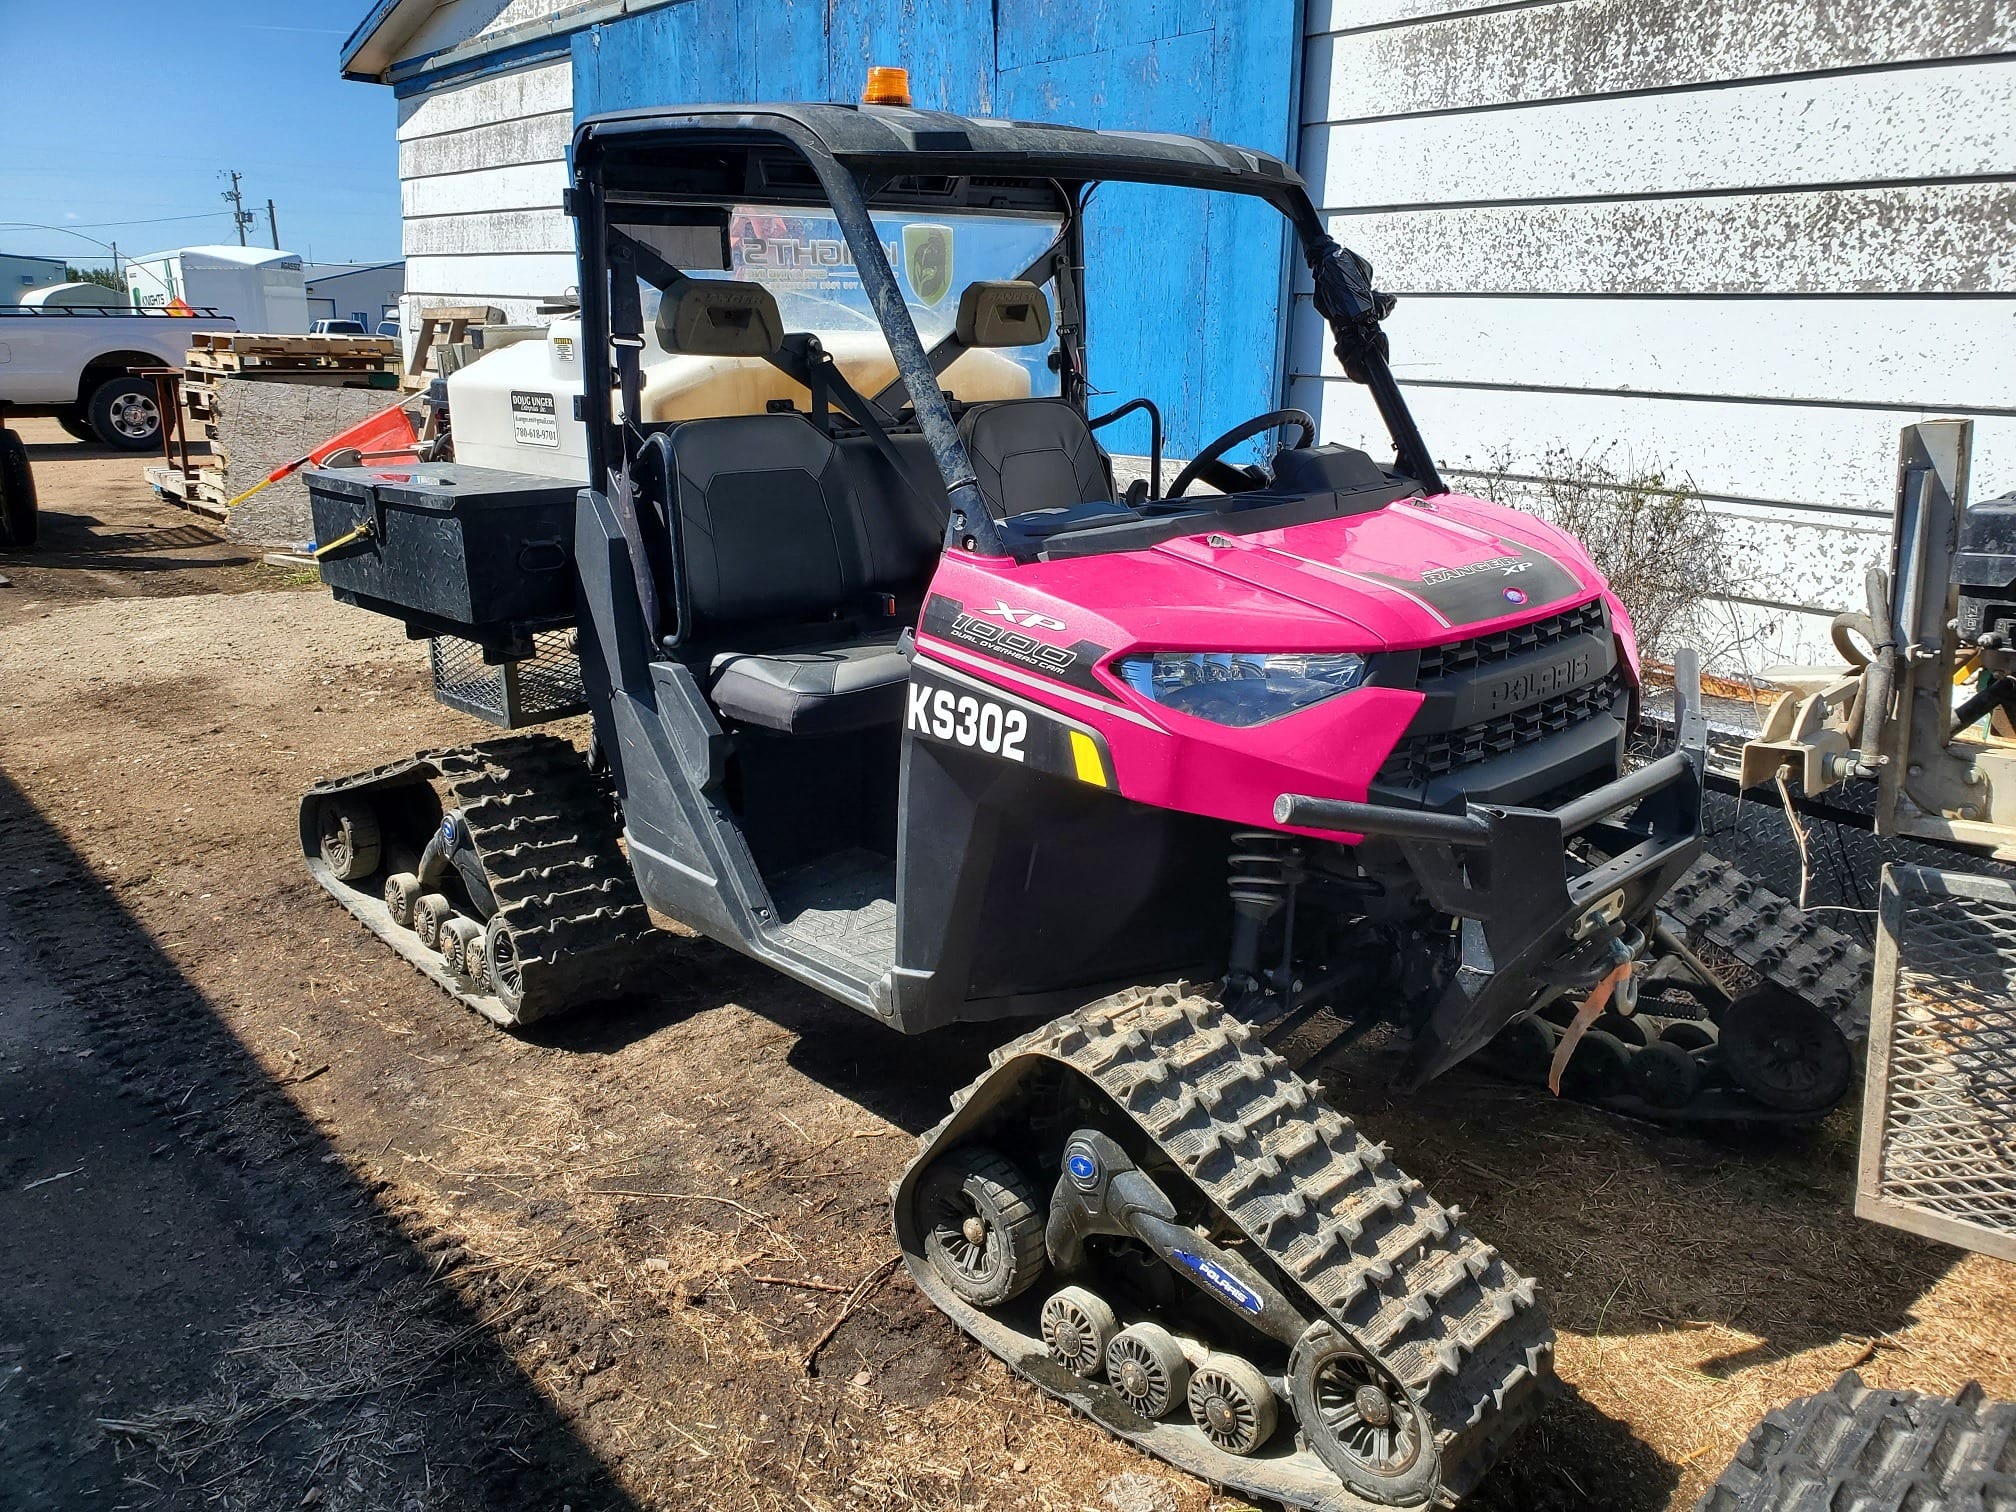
x=1187 y=292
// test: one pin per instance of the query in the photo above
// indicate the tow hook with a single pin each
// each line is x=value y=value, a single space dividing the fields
x=1619 y=986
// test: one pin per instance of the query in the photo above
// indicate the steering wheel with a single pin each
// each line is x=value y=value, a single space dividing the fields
x=1223 y=475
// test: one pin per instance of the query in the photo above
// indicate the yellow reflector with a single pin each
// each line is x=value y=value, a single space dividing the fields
x=887 y=86
x=1085 y=756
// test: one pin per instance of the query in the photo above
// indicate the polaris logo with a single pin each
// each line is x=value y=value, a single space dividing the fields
x=1220 y=1280
x=1540 y=682
x=1028 y=617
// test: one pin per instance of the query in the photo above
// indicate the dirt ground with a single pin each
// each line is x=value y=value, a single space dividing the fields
x=284 y=1227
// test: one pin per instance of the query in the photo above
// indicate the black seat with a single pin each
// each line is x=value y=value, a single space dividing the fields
x=905 y=525
x=1034 y=454
x=781 y=577
x=813 y=690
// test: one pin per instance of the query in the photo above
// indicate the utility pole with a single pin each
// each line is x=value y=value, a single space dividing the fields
x=273 y=225
x=240 y=216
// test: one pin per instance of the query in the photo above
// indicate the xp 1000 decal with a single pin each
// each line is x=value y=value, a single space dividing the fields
x=1017 y=635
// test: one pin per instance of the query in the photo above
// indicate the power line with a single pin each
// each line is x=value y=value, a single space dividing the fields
x=102 y=225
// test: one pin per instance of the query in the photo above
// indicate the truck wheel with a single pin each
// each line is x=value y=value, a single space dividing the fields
x=17 y=495
x=76 y=423
x=124 y=414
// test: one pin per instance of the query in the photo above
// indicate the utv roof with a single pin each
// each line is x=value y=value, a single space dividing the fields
x=902 y=140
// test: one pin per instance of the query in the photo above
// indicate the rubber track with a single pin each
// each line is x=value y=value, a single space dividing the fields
x=1854 y=1449
x=542 y=825
x=1774 y=938
x=1364 y=1240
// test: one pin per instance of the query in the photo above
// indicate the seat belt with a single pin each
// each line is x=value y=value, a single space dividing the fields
x=803 y=358
x=951 y=348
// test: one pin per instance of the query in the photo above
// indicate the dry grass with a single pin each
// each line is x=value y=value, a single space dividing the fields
x=354 y=1381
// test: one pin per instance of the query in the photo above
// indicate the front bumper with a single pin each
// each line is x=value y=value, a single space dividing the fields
x=1530 y=922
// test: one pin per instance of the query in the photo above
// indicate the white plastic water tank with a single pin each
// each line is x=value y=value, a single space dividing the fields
x=514 y=408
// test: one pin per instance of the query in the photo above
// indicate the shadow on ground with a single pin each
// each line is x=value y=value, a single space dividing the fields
x=203 y=1305
x=71 y=540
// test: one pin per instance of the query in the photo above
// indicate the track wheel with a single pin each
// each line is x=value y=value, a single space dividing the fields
x=1625 y=1030
x=1597 y=1069
x=462 y=938
x=1687 y=1034
x=1360 y=1422
x=1230 y=1401
x=1663 y=1074
x=505 y=971
x=1523 y=1050
x=1785 y=1052
x=1148 y=1367
x=476 y=961
x=1077 y=1326
x=429 y=914
x=402 y=891
x=983 y=1225
x=349 y=831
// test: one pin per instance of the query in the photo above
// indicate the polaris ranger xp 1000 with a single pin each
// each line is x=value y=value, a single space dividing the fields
x=895 y=689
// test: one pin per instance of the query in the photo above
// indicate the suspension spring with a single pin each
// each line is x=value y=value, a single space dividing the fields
x=1264 y=868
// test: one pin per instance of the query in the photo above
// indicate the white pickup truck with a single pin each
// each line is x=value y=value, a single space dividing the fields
x=71 y=362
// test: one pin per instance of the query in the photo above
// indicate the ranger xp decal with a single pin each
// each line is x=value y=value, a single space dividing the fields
x=1488 y=589
x=1016 y=635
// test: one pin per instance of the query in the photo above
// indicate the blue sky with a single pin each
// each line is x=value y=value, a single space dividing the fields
x=127 y=110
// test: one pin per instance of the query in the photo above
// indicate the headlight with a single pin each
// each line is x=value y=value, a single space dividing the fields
x=1241 y=687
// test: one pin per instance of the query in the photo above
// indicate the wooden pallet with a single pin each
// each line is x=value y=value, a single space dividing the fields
x=203 y=380
x=252 y=343
x=190 y=493
x=293 y=366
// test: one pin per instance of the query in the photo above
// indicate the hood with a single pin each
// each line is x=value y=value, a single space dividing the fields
x=1411 y=573
x=1415 y=573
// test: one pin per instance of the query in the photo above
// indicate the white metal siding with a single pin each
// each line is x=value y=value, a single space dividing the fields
x=481 y=167
x=1736 y=242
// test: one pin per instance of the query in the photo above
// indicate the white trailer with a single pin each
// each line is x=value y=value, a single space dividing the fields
x=262 y=290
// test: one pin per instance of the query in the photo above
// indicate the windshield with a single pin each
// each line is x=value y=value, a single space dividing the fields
x=804 y=261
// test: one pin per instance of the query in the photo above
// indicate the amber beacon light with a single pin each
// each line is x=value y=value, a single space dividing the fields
x=887 y=86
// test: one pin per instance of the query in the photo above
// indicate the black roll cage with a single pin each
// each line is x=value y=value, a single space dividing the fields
x=894 y=158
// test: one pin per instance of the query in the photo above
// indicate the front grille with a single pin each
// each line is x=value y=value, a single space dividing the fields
x=1501 y=645
x=1420 y=758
